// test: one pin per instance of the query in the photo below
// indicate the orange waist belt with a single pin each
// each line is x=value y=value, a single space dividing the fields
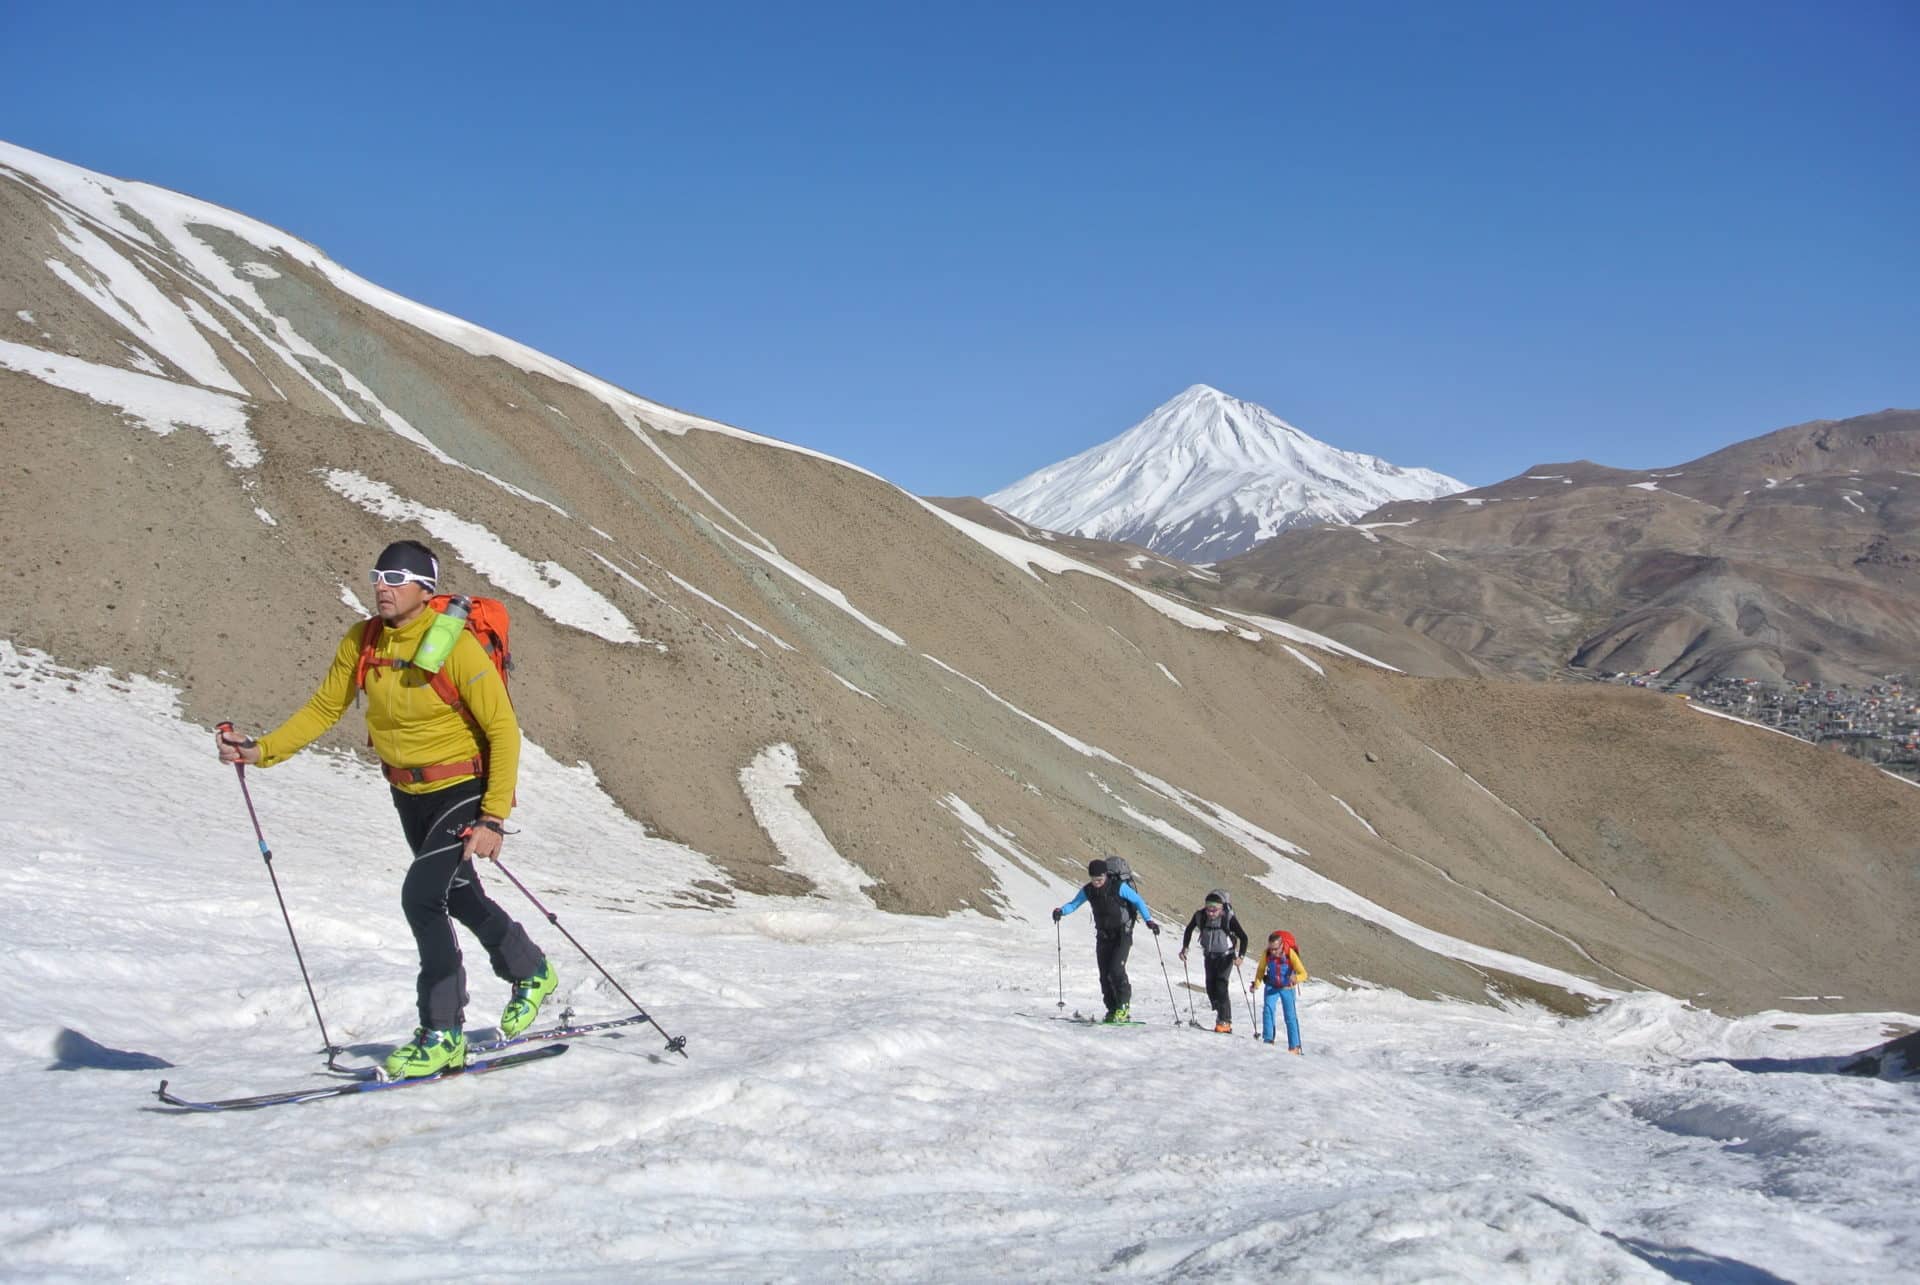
x=476 y=766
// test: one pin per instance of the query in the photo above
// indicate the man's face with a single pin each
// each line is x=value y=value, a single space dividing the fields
x=397 y=603
x=1213 y=910
x=1099 y=881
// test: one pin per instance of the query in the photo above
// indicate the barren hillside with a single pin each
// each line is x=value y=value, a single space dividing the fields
x=1795 y=555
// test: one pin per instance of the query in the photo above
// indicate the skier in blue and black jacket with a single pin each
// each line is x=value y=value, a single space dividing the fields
x=1115 y=908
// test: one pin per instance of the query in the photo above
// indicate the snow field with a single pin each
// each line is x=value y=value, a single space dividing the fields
x=867 y=1095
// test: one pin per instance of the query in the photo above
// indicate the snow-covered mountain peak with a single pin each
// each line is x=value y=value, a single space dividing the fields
x=1207 y=476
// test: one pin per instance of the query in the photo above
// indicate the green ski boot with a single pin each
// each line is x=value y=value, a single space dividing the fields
x=1120 y=1016
x=430 y=1053
x=527 y=997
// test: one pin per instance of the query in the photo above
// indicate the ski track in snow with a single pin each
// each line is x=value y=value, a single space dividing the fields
x=863 y=1096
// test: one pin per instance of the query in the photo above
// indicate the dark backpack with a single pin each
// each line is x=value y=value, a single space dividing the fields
x=1119 y=870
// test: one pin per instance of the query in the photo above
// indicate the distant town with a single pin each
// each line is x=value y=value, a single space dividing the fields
x=1879 y=723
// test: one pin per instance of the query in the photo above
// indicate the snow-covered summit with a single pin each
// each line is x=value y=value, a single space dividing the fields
x=1207 y=476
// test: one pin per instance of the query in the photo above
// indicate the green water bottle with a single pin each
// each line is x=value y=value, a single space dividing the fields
x=441 y=635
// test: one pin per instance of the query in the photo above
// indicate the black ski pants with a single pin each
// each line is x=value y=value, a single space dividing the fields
x=1220 y=986
x=441 y=886
x=1111 y=950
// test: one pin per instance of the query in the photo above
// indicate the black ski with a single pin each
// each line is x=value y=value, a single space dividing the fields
x=313 y=1093
x=1078 y=1019
x=566 y=1030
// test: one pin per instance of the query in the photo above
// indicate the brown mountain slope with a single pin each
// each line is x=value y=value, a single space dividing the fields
x=1793 y=555
x=1404 y=648
x=688 y=599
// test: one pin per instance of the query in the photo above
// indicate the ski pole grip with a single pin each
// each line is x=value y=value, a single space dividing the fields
x=246 y=742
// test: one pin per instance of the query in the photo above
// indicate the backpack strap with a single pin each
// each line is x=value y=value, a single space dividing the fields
x=443 y=688
x=369 y=639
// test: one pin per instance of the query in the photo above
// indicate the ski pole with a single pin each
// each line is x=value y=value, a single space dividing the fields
x=1167 y=977
x=675 y=1043
x=1187 y=979
x=1060 y=958
x=1248 y=992
x=266 y=855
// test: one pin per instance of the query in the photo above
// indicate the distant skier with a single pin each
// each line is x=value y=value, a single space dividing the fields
x=452 y=783
x=1115 y=908
x=1222 y=940
x=1281 y=972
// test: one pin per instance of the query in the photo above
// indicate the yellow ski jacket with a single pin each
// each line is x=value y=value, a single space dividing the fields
x=409 y=724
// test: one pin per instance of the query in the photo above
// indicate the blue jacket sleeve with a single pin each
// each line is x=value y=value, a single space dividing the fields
x=1128 y=894
x=1079 y=900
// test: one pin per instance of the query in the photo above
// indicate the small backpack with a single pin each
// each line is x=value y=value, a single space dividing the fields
x=487 y=621
x=1225 y=927
x=1289 y=951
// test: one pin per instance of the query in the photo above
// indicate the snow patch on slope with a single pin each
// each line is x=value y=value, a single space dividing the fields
x=770 y=782
x=125 y=293
x=1308 y=637
x=817 y=585
x=158 y=405
x=1026 y=890
x=550 y=587
x=1027 y=555
x=1366 y=824
x=1304 y=659
x=1166 y=830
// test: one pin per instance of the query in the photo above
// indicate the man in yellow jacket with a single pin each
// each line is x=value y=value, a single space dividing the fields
x=452 y=782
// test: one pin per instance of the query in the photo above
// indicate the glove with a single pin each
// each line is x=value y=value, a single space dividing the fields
x=1056 y=914
x=1183 y=956
x=1153 y=928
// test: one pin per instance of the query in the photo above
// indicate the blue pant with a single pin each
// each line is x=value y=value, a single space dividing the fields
x=1283 y=996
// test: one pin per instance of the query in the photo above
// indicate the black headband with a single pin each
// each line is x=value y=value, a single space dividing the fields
x=404 y=556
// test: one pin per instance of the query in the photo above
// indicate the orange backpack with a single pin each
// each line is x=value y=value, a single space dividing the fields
x=488 y=623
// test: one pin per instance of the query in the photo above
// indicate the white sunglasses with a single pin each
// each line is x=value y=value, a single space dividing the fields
x=394 y=579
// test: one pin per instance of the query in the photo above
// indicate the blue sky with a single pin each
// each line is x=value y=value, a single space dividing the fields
x=956 y=243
